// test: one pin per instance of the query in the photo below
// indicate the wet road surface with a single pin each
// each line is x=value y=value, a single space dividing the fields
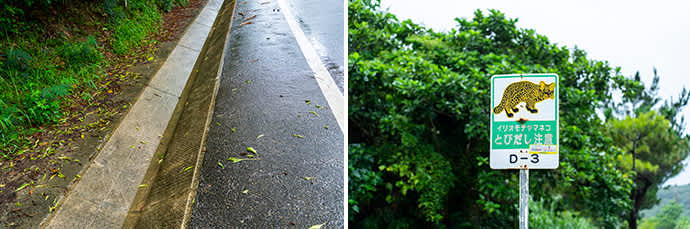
x=268 y=100
x=322 y=22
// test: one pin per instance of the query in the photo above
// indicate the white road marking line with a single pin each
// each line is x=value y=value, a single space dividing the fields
x=335 y=100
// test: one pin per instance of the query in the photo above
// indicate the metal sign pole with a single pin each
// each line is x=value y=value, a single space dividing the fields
x=524 y=198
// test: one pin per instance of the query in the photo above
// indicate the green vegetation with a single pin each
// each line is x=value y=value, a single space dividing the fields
x=550 y=217
x=651 y=139
x=678 y=194
x=419 y=113
x=50 y=49
x=35 y=79
x=647 y=135
x=670 y=218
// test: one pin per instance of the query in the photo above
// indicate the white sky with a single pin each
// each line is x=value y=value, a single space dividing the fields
x=635 y=35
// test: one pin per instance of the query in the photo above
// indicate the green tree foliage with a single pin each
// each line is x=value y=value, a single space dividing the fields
x=658 y=150
x=670 y=218
x=419 y=106
x=678 y=193
x=653 y=143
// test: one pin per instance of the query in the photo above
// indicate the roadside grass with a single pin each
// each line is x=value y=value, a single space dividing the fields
x=36 y=75
x=144 y=19
x=52 y=60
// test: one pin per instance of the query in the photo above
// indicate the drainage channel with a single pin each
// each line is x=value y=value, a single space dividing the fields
x=165 y=196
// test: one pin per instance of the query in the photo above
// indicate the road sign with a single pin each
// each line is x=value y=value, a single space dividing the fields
x=524 y=121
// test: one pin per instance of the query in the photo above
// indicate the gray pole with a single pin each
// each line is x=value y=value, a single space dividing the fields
x=524 y=198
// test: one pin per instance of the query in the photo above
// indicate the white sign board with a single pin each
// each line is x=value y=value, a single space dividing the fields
x=524 y=121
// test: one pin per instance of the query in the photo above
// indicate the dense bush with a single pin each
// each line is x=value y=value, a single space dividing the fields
x=419 y=106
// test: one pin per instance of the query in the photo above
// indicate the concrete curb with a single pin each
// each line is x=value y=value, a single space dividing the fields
x=107 y=189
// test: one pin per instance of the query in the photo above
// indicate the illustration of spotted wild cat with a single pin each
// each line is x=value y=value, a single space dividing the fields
x=524 y=91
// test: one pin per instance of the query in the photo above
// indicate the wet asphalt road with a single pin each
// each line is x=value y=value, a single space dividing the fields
x=268 y=96
x=323 y=23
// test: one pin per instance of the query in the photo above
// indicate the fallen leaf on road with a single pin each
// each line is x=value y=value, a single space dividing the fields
x=314 y=113
x=245 y=191
x=309 y=178
x=307 y=101
x=260 y=135
x=317 y=226
x=188 y=168
x=143 y=185
x=241 y=14
x=248 y=81
x=235 y=160
x=132 y=146
x=250 y=18
x=325 y=127
x=317 y=106
x=221 y=165
x=233 y=129
x=297 y=135
x=246 y=23
x=255 y=60
x=22 y=187
x=250 y=149
x=264 y=3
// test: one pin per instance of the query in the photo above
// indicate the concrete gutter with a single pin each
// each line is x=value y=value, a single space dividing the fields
x=109 y=184
x=168 y=200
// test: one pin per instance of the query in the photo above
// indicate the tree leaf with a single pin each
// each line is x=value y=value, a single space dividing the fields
x=22 y=187
x=318 y=226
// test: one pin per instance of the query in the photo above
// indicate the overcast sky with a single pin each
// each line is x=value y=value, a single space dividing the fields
x=637 y=36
